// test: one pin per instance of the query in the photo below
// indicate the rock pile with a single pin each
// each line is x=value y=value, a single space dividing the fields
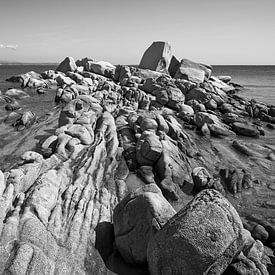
x=113 y=183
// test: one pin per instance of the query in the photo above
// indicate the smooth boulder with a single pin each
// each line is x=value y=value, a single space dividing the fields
x=202 y=238
x=15 y=93
x=136 y=219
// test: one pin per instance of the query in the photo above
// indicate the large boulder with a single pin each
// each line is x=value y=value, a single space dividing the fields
x=198 y=94
x=67 y=65
x=148 y=149
x=15 y=93
x=202 y=117
x=202 y=238
x=170 y=97
x=136 y=219
x=217 y=83
x=191 y=71
x=157 y=57
x=100 y=67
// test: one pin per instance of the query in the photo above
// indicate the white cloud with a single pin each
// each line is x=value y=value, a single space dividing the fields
x=12 y=47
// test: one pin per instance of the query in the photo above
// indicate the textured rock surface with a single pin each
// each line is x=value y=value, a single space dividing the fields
x=191 y=71
x=137 y=218
x=117 y=129
x=201 y=238
x=67 y=65
x=58 y=204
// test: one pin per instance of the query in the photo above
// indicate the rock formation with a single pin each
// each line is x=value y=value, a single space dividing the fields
x=157 y=57
x=105 y=181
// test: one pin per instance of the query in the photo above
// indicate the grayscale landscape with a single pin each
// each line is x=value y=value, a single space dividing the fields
x=162 y=167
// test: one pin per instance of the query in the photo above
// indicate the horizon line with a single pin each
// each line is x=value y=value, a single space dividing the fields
x=54 y=63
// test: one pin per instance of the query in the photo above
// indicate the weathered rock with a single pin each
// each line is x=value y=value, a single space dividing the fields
x=191 y=71
x=198 y=94
x=100 y=67
x=170 y=97
x=15 y=93
x=201 y=178
x=220 y=130
x=67 y=65
x=157 y=57
x=63 y=80
x=242 y=266
x=224 y=78
x=211 y=104
x=185 y=110
x=50 y=74
x=137 y=218
x=217 y=83
x=25 y=120
x=201 y=118
x=149 y=149
x=255 y=254
x=245 y=129
x=146 y=174
x=210 y=215
x=259 y=233
x=13 y=105
x=172 y=169
x=173 y=66
x=207 y=69
x=271 y=111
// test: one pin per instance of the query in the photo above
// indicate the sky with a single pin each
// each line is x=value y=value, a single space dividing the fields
x=119 y=31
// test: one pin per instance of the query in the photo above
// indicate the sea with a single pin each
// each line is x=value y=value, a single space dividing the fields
x=258 y=81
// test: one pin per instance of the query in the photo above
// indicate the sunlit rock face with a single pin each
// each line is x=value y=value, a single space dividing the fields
x=210 y=231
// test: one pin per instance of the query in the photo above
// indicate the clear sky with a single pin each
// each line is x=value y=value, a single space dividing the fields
x=119 y=31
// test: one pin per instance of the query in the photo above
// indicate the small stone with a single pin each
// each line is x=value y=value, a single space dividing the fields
x=259 y=233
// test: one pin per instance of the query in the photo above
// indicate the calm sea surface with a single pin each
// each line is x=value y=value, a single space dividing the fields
x=259 y=81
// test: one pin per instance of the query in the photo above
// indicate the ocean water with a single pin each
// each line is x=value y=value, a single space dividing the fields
x=258 y=81
x=37 y=103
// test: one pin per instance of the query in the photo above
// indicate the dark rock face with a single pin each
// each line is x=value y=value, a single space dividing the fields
x=157 y=57
x=209 y=215
x=67 y=65
x=173 y=66
x=245 y=129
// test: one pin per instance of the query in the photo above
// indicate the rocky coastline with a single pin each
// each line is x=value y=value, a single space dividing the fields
x=160 y=168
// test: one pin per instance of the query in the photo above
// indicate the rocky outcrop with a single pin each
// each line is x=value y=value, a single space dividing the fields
x=99 y=177
x=58 y=211
x=209 y=215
